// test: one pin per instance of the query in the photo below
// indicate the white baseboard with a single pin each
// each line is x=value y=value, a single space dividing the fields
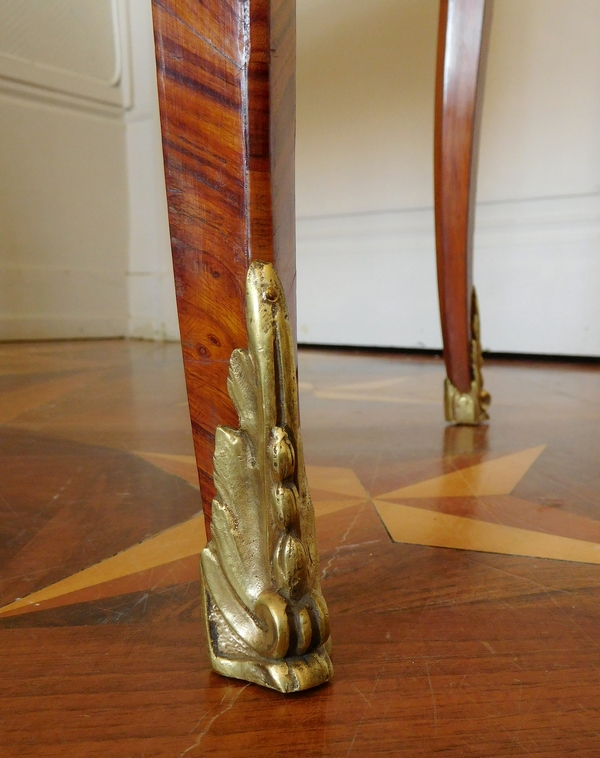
x=370 y=280
x=41 y=326
x=45 y=302
x=152 y=307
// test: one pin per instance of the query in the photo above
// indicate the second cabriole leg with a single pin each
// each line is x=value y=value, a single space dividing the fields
x=462 y=47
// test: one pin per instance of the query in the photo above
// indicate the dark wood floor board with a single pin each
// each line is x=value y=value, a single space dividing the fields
x=73 y=505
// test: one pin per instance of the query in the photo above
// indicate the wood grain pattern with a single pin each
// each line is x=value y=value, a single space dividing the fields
x=437 y=651
x=462 y=51
x=229 y=169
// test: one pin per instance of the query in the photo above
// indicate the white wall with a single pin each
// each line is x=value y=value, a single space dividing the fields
x=151 y=289
x=83 y=232
x=366 y=256
x=84 y=248
x=63 y=222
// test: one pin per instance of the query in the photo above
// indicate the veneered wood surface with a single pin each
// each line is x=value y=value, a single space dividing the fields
x=462 y=49
x=229 y=174
x=436 y=651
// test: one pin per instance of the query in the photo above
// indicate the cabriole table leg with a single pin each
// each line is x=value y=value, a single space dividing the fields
x=226 y=92
x=462 y=48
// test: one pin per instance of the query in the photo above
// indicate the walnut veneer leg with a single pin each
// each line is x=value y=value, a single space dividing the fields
x=462 y=47
x=226 y=89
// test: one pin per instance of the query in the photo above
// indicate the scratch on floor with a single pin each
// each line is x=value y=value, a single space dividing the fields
x=539 y=690
x=358 y=544
x=228 y=707
x=509 y=735
x=549 y=592
x=362 y=718
x=435 y=717
x=340 y=547
x=360 y=693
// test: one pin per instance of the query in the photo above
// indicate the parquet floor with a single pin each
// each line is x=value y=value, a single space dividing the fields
x=461 y=566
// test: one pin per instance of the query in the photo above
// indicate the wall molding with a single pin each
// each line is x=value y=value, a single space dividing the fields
x=370 y=279
x=26 y=74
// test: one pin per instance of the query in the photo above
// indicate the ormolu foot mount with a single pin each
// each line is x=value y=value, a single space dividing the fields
x=266 y=618
x=469 y=407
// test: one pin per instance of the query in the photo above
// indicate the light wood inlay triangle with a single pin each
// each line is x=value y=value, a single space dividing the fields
x=497 y=477
x=418 y=526
x=178 y=542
